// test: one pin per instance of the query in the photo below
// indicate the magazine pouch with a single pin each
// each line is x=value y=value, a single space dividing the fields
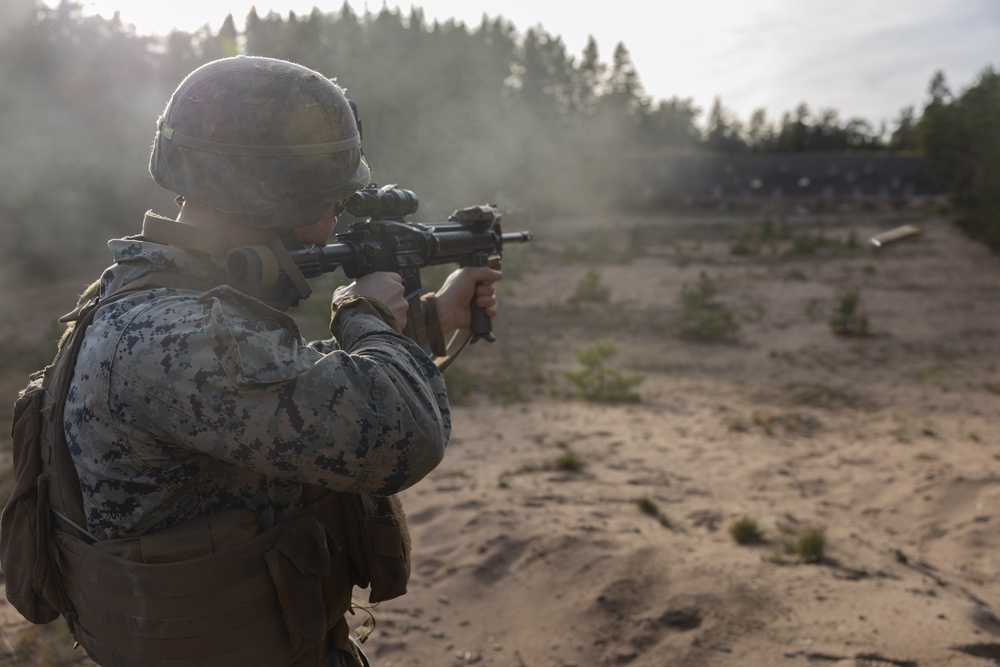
x=378 y=545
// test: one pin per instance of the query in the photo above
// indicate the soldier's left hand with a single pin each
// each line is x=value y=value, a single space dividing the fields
x=455 y=296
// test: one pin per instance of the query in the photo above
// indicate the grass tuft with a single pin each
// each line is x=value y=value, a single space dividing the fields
x=848 y=320
x=598 y=382
x=570 y=461
x=746 y=530
x=649 y=507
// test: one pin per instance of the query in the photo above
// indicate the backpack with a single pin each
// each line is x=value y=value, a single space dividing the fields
x=40 y=451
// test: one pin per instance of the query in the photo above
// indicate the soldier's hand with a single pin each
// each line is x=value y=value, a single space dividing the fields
x=381 y=286
x=456 y=293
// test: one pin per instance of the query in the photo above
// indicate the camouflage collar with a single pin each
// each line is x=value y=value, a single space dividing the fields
x=136 y=258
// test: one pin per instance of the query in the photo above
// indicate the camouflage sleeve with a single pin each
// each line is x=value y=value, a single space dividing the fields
x=324 y=346
x=218 y=375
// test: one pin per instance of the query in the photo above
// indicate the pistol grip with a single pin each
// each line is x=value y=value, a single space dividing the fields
x=481 y=326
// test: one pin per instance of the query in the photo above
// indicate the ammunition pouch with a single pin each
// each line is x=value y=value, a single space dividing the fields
x=379 y=545
x=268 y=600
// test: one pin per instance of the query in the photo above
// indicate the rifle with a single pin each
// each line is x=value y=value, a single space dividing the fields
x=381 y=240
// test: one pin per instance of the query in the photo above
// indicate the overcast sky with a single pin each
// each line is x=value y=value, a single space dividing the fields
x=864 y=58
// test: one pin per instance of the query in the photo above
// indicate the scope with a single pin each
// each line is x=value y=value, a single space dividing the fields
x=385 y=202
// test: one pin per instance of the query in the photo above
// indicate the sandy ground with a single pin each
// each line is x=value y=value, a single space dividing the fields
x=887 y=442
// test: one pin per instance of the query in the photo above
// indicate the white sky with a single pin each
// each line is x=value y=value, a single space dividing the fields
x=864 y=58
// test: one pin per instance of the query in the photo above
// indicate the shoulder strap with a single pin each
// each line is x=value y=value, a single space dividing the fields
x=64 y=493
x=65 y=496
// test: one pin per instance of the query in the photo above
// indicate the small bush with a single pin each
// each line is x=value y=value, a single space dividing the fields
x=591 y=290
x=808 y=244
x=570 y=461
x=597 y=382
x=746 y=531
x=809 y=544
x=701 y=316
x=745 y=244
x=649 y=507
x=848 y=320
x=738 y=425
x=811 y=244
x=751 y=240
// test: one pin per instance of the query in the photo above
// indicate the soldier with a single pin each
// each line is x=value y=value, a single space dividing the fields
x=198 y=420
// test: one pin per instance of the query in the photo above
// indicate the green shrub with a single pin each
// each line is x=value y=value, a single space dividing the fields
x=746 y=531
x=810 y=544
x=648 y=506
x=848 y=320
x=597 y=382
x=738 y=425
x=745 y=244
x=808 y=244
x=591 y=290
x=701 y=316
x=751 y=240
x=570 y=461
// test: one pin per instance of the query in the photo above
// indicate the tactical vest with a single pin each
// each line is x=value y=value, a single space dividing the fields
x=207 y=592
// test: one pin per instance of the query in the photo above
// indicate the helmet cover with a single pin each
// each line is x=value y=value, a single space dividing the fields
x=265 y=142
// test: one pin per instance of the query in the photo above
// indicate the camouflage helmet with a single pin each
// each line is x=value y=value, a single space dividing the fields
x=265 y=142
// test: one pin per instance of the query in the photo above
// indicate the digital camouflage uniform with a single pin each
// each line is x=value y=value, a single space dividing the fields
x=184 y=404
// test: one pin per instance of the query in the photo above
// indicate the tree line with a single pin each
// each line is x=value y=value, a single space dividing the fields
x=960 y=132
x=459 y=114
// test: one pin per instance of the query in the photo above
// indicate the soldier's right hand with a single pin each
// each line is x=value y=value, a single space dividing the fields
x=381 y=286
